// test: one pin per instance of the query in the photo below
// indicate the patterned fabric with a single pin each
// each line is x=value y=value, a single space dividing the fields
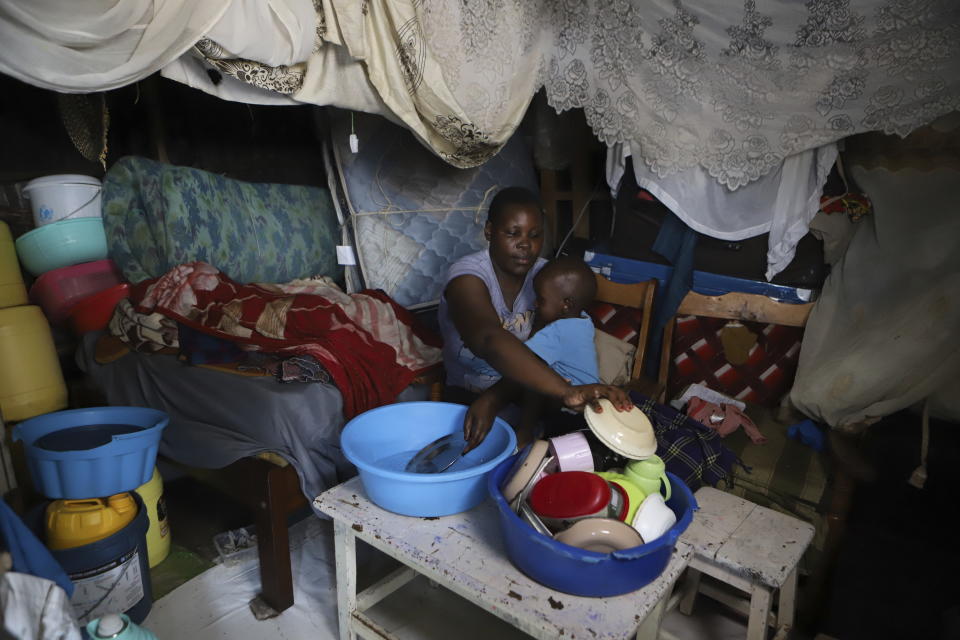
x=855 y=205
x=764 y=378
x=732 y=87
x=617 y=320
x=157 y=216
x=284 y=369
x=302 y=369
x=149 y=332
x=371 y=346
x=690 y=451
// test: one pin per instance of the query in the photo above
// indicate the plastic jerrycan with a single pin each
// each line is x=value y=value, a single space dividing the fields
x=74 y=523
x=12 y=291
x=31 y=382
x=158 y=535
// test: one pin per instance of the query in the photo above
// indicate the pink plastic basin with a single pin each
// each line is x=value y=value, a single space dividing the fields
x=58 y=290
x=93 y=313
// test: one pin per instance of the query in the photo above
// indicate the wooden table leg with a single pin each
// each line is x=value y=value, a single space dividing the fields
x=345 y=543
x=760 y=600
x=689 y=589
x=787 y=603
x=649 y=629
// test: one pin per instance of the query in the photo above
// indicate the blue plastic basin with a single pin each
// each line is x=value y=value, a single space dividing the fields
x=380 y=442
x=587 y=573
x=123 y=464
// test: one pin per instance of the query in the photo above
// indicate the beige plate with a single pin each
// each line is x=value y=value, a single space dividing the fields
x=524 y=472
x=603 y=535
x=628 y=433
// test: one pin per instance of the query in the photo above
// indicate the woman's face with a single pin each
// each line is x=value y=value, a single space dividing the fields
x=516 y=238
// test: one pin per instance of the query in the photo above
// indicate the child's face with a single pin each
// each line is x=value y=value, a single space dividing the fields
x=551 y=304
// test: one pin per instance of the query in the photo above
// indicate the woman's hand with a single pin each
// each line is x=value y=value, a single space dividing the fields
x=479 y=419
x=578 y=397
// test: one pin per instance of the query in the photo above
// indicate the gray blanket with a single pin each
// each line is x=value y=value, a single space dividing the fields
x=217 y=418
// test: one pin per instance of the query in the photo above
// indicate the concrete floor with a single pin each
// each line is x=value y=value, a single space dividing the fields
x=899 y=561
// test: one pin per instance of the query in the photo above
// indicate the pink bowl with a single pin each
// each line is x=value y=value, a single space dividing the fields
x=58 y=290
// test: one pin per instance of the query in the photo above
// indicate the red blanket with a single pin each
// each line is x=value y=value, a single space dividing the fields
x=371 y=346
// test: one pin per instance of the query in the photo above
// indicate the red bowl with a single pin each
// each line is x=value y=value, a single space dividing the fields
x=58 y=290
x=93 y=312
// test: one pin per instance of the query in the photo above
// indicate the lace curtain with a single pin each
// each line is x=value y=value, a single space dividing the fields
x=733 y=88
x=728 y=87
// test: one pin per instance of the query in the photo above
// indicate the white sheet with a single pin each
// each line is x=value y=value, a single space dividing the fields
x=33 y=608
x=83 y=46
x=781 y=203
x=274 y=32
x=882 y=336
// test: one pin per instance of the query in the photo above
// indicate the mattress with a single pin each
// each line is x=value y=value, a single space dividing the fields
x=410 y=213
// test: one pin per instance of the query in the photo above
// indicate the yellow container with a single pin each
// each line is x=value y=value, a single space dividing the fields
x=158 y=535
x=74 y=523
x=12 y=291
x=31 y=382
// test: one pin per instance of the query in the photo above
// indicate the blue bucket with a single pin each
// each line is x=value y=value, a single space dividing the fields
x=587 y=573
x=381 y=441
x=123 y=464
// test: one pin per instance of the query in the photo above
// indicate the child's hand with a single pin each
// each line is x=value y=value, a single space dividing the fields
x=578 y=397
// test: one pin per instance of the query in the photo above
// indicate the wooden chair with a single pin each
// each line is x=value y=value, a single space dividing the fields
x=638 y=295
x=837 y=496
x=730 y=306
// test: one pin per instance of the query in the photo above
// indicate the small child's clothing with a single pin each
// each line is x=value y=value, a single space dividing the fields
x=567 y=346
x=723 y=418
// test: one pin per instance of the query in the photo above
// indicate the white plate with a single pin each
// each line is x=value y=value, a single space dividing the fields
x=628 y=433
x=524 y=469
x=603 y=535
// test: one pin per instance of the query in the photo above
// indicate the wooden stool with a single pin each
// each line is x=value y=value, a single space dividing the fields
x=749 y=547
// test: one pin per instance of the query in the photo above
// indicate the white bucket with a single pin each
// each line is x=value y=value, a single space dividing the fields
x=59 y=197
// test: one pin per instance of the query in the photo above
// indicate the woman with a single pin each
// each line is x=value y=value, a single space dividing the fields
x=486 y=313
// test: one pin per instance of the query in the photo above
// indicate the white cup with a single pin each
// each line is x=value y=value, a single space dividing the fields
x=654 y=518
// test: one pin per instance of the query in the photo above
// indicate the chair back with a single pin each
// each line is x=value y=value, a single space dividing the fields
x=747 y=307
x=638 y=295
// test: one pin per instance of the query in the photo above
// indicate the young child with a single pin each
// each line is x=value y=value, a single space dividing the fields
x=563 y=334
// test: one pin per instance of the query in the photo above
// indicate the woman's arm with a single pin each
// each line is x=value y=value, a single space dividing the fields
x=472 y=312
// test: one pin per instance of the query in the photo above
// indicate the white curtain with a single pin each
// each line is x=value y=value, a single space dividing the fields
x=82 y=46
x=781 y=203
x=730 y=88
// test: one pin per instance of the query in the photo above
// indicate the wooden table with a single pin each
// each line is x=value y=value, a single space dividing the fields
x=464 y=553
